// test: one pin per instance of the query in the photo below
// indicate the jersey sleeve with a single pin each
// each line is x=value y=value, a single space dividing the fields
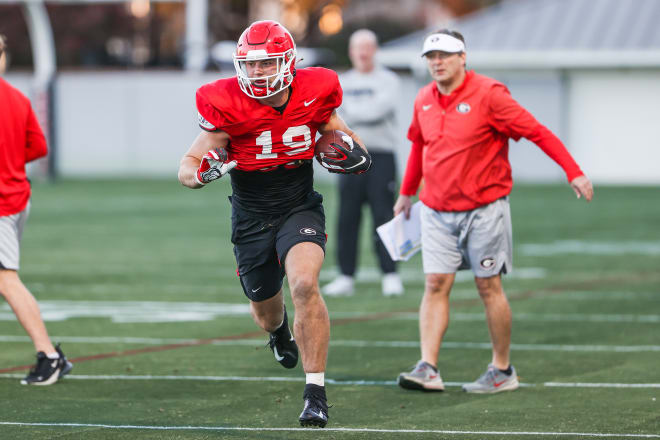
x=35 y=142
x=333 y=96
x=208 y=116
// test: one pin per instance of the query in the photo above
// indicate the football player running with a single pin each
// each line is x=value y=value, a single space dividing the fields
x=260 y=127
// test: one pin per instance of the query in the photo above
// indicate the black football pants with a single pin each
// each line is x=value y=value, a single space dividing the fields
x=376 y=187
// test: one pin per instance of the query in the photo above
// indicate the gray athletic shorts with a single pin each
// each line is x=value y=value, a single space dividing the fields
x=11 y=230
x=479 y=240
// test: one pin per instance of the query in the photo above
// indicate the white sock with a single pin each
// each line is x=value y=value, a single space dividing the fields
x=315 y=378
x=54 y=355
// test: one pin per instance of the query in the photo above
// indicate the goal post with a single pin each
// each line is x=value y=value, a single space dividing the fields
x=45 y=69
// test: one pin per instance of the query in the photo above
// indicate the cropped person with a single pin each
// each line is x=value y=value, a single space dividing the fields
x=21 y=141
x=461 y=125
x=260 y=127
x=370 y=99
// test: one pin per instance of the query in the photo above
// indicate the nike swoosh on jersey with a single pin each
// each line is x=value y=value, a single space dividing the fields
x=426 y=107
x=307 y=103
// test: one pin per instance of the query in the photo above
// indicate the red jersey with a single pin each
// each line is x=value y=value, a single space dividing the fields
x=460 y=144
x=21 y=141
x=261 y=136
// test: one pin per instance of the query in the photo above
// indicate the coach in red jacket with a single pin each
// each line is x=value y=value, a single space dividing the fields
x=461 y=126
x=21 y=141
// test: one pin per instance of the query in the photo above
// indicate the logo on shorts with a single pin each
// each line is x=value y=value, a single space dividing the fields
x=488 y=263
x=308 y=231
x=463 y=107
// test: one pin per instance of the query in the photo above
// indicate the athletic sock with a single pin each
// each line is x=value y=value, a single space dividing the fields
x=508 y=371
x=279 y=331
x=54 y=355
x=315 y=378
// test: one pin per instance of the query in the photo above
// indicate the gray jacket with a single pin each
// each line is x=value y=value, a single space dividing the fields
x=369 y=106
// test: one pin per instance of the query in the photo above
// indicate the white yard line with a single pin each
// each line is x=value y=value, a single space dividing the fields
x=345 y=343
x=319 y=432
x=600 y=385
x=526 y=317
x=102 y=377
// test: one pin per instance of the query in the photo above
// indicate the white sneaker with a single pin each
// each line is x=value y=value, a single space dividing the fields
x=392 y=285
x=340 y=286
x=423 y=377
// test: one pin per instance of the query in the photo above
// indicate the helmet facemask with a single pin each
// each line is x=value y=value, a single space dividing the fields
x=273 y=83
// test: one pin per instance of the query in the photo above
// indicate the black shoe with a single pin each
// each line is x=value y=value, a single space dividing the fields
x=283 y=345
x=48 y=371
x=315 y=412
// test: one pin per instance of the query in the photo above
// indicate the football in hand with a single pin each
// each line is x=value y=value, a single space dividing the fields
x=323 y=145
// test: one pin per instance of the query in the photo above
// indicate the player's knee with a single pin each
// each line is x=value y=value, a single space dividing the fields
x=438 y=284
x=489 y=288
x=303 y=288
x=8 y=282
x=258 y=314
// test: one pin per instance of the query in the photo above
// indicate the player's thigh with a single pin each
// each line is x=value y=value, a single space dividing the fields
x=440 y=241
x=490 y=244
x=301 y=246
x=303 y=226
x=11 y=230
x=259 y=269
x=303 y=265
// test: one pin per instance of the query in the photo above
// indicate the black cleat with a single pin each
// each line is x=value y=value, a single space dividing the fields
x=315 y=412
x=48 y=371
x=284 y=345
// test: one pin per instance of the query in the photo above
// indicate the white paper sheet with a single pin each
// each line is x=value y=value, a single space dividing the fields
x=402 y=238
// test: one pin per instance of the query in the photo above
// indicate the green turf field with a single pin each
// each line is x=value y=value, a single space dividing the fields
x=143 y=272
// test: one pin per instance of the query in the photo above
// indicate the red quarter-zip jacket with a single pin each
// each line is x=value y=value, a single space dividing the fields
x=460 y=144
x=21 y=141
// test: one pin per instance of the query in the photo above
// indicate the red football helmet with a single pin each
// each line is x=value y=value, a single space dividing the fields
x=265 y=40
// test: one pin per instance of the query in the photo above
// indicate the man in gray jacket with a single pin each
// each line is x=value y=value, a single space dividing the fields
x=370 y=95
